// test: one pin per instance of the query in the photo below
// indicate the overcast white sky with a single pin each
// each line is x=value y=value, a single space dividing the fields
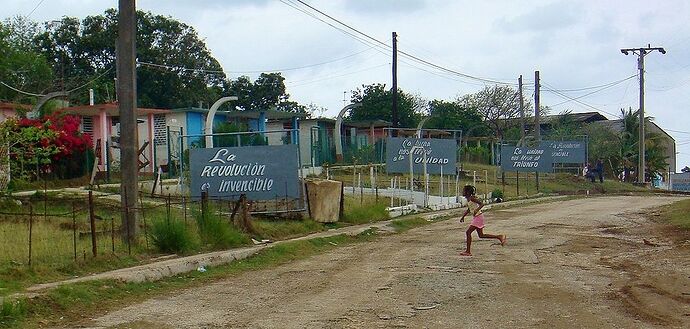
x=574 y=44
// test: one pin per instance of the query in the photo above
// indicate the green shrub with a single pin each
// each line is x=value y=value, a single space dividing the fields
x=171 y=236
x=12 y=312
x=497 y=193
x=218 y=232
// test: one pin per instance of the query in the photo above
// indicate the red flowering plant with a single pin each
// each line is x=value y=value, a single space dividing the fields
x=52 y=143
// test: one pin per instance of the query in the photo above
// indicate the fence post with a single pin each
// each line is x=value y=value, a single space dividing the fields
x=92 y=220
x=204 y=204
x=107 y=162
x=184 y=209
x=74 y=230
x=143 y=216
x=167 y=210
x=127 y=211
x=517 y=182
x=170 y=165
x=31 y=228
x=112 y=234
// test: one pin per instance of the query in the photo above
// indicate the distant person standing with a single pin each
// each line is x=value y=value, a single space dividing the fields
x=588 y=172
x=600 y=170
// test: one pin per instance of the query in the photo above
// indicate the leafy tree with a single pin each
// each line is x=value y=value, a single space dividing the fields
x=604 y=143
x=621 y=149
x=455 y=115
x=497 y=105
x=266 y=92
x=377 y=104
x=20 y=66
x=82 y=50
x=563 y=126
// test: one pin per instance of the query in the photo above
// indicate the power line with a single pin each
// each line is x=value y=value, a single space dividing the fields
x=388 y=48
x=181 y=68
x=90 y=81
x=68 y=91
x=36 y=7
x=605 y=86
x=21 y=91
x=334 y=76
x=562 y=95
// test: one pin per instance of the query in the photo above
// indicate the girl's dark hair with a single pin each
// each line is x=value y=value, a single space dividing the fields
x=469 y=190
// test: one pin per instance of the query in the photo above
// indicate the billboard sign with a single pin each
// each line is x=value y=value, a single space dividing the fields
x=526 y=159
x=680 y=181
x=566 y=151
x=439 y=155
x=262 y=172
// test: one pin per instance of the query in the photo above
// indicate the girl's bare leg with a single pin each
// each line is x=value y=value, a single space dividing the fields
x=468 y=235
x=501 y=238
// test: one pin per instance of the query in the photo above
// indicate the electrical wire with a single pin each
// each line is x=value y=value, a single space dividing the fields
x=605 y=86
x=20 y=91
x=68 y=91
x=403 y=53
x=36 y=7
x=306 y=82
x=170 y=67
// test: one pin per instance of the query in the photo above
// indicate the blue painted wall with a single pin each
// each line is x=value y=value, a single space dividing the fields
x=195 y=125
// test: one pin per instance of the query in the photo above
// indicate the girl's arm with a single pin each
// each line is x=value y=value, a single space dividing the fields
x=479 y=202
x=467 y=211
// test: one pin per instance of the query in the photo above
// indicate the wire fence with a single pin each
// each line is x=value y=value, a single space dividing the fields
x=55 y=230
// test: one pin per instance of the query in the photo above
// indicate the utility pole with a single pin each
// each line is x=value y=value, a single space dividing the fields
x=537 y=124
x=396 y=121
x=127 y=98
x=641 y=53
x=522 y=112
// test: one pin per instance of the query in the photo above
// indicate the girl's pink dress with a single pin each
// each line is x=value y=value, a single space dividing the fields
x=478 y=221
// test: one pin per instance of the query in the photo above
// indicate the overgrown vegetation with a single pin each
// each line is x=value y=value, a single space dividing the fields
x=678 y=214
x=364 y=210
x=217 y=232
x=171 y=236
x=11 y=312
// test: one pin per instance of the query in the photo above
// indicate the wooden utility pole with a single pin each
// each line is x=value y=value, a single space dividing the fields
x=396 y=120
x=127 y=98
x=641 y=53
x=522 y=112
x=537 y=124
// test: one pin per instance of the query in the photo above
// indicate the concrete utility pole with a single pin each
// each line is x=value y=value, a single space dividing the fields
x=641 y=53
x=537 y=124
x=396 y=120
x=127 y=97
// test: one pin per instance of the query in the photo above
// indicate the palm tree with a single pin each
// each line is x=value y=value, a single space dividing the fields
x=655 y=159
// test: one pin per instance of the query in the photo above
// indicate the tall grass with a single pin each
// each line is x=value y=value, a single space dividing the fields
x=364 y=211
x=217 y=232
x=171 y=236
x=12 y=312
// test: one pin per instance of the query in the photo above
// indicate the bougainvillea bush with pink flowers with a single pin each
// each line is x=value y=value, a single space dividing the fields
x=50 y=146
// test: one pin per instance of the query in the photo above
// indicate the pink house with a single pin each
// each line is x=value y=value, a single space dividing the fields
x=101 y=121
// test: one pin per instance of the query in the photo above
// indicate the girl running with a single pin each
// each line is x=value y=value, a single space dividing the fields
x=474 y=206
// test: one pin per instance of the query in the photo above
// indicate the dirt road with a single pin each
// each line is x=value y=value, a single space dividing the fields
x=579 y=263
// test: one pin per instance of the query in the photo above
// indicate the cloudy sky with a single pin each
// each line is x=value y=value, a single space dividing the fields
x=574 y=44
